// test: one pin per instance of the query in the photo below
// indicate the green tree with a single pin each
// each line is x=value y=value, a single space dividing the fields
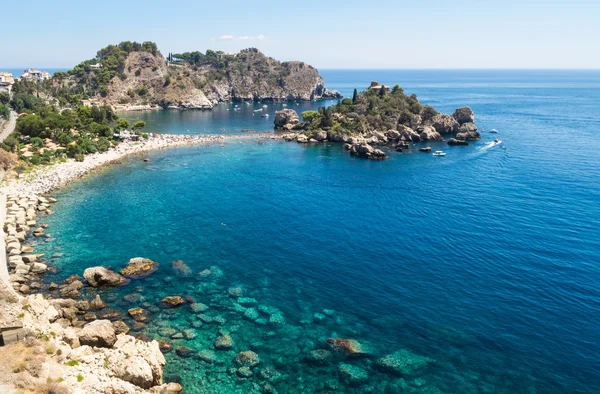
x=354 y=96
x=122 y=124
x=140 y=124
x=4 y=98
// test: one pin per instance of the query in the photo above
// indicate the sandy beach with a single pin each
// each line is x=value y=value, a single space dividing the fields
x=48 y=178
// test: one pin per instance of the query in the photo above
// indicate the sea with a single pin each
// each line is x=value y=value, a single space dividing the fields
x=476 y=272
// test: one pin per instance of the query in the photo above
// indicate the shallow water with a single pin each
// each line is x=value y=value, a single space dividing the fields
x=484 y=260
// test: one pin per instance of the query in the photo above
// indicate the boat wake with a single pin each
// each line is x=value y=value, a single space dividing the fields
x=489 y=145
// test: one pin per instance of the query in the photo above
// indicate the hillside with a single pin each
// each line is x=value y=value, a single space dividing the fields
x=133 y=74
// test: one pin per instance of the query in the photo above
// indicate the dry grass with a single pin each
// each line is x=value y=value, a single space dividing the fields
x=7 y=159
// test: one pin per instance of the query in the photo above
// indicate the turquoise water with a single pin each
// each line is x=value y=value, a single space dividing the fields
x=485 y=261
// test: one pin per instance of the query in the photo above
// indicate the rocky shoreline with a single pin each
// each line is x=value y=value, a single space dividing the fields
x=71 y=344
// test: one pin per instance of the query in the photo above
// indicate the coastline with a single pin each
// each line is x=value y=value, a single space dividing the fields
x=45 y=331
x=49 y=178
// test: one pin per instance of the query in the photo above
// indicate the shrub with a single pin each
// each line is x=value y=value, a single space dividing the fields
x=72 y=363
x=79 y=157
x=138 y=72
x=79 y=377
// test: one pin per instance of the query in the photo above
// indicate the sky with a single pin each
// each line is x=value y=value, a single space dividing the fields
x=376 y=34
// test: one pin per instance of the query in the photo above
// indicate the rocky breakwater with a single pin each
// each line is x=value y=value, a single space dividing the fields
x=24 y=265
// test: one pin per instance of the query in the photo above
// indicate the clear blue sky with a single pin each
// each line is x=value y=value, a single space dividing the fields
x=324 y=33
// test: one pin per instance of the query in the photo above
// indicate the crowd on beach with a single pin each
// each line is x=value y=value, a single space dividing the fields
x=48 y=178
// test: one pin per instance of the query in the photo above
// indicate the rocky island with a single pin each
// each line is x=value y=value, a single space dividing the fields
x=131 y=76
x=378 y=116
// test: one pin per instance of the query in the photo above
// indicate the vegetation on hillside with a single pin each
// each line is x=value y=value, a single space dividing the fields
x=373 y=109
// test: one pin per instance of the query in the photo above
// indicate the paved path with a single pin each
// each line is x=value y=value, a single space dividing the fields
x=9 y=127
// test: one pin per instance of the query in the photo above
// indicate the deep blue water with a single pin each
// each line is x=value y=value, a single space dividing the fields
x=485 y=260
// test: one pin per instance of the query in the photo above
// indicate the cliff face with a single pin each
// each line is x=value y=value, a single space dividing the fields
x=252 y=76
x=147 y=78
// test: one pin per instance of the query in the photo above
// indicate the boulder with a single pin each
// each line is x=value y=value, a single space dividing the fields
x=367 y=151
x=138 y=362
x=247 y=359
x=346 y=347
x=320 y=135
x=184 y=351
x=429 y=133
x=454 y=141
x=173 y=301
x=426 y=149
x=445 y=124
x=72 y=290
x=139 y=315
x=408 y=134
x=120 y=327
x=99 y=333
x=139 y=267
x=181 y=269
x=464 y=115
x=285 y=117
x=102 y=277
x=224 y=342
x=97 y=303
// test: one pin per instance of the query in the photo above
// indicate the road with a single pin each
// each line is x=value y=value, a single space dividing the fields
x=9 y=127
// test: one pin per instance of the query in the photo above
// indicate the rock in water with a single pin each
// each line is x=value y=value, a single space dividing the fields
x=247 y=359
x=181 y=269
x=139 y=267
x=173 y=301
x=286 y=117
x=223 y=342
x=99 y=333
x=352 y=375
x=454 y=141
x=100 y=276
x=319 y=357
x=445 y=124
x=346 y=347
x=403 y=363
x=97 y=303
x=464 y=115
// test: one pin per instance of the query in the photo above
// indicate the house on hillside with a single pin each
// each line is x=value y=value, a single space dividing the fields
x=6 y=82
x=96 y=66
x=377 y=86
x=35 y=75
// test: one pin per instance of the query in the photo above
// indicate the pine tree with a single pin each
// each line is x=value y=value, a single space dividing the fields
x=354 y=96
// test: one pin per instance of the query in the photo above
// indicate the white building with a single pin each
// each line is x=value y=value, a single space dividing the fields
x=6 y=82
x=35 y=75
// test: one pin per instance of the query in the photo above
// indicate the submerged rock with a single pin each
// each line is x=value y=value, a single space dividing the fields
x=184 y=351
x=198 y=307
x=247 y=359
x=139 y=315
x=454 y=141
x=319 y=357
x=403 y=362
x=100 y=276
x=173 y=301
x=347 y=347
x=139 y=267
x=244 y=372
x=181 y=269
x=352 y=374
x=207 y=356
x=224 y=342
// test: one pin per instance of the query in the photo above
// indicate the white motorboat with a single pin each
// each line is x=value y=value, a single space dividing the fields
x=493 y=131
x=439 y=153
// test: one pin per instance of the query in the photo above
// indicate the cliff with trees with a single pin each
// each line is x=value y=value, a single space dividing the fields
x=134 y=74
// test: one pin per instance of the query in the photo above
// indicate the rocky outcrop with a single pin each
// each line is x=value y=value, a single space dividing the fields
x=138 y=362
x=173 y=301
x=99 y=333
x=139 y=267
x=464 y=115
x=346 y=347
x=286 y=119
x=455 y=141
x=429 y=133
x=100 y=276
x=367 y=151
x=445 y=124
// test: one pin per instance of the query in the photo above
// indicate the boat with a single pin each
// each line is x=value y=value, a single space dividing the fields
x=258 y=110
x=265 y=106
x=497 y=141
x=493 y=131
x=264 y=115
x=439 y=153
